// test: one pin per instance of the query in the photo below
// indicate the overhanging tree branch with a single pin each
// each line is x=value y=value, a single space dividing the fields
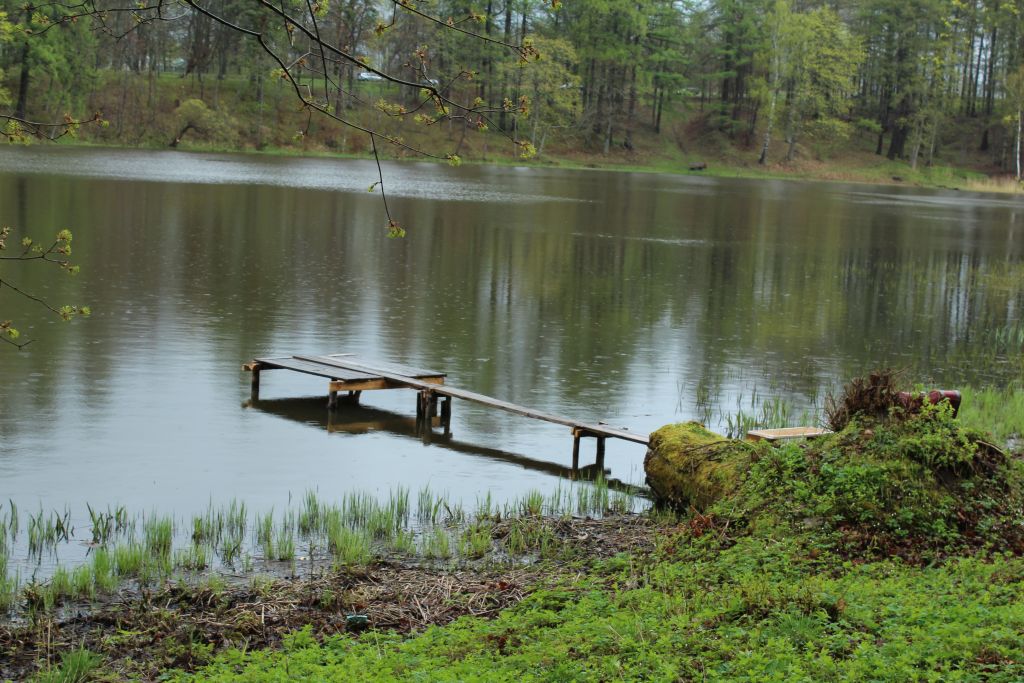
x=56 y=254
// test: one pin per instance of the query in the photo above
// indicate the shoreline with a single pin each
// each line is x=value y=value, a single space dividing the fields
x=141 y=632
x=836 y=173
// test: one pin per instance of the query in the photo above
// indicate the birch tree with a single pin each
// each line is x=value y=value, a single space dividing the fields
x=1015 y=119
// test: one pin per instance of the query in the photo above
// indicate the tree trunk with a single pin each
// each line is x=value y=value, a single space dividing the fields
x=654 y=103
x=121 y=116
x=339 y=95
x=502 y=121
x=1020 y=124
x=966 y=84
x=977 y=78
x=990 y=79
x=897 y=143
x=259 y=117
x=768 y=129
x=462 y=138
x=661 y=105
x=22 y=105
x=915 y=148
x=791 y=131
x=631 y=110
x=488 y=63
x=931 y=143
x=177 y=139
x=901 y=131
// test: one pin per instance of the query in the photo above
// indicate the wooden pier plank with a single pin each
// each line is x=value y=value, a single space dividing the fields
x=336 y=373
x=310 y=369
x=352 y=363
x=786 y=433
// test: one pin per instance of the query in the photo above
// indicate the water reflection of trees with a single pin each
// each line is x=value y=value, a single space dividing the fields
x=636 y=284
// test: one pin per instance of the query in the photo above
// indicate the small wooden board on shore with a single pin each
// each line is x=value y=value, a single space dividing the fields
x=786 y=434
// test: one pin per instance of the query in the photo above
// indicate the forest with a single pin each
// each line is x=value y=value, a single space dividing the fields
x=914 y=81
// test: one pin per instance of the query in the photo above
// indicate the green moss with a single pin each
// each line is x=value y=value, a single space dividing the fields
x=920 y=487
x=689 y=466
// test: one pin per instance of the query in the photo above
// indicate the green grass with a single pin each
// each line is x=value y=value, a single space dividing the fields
x=265 y=533
x=130 y=559
x=532 y=504
x=475 y=540
x=592 y=499
x=357 y=530
x=436 y=544
x=209 y=527
x=159 y=535
x=196 y=557
x=107 y=524
x=45 y=531
x=235 y=519
x=997 y=411
x=403 y=543
x=9 y=587
x=76 y=666
x=284 y=546
x=350 y=547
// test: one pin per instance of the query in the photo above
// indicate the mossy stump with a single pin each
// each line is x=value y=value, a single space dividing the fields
x=689 y=466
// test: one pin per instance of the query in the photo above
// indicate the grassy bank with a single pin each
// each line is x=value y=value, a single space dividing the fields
x=227 y=115
x=860 y=168
x=649 y=599
x=887 y=551
x=697 y=608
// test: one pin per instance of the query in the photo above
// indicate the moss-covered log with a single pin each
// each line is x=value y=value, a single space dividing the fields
x=689 y=466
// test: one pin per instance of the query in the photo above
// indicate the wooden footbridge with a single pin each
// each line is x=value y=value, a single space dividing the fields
x=352 y=375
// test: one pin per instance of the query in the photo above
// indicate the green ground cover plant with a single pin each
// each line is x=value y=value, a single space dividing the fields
x=760 y=609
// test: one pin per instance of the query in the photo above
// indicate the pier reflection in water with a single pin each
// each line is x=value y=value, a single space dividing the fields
x=351 y=417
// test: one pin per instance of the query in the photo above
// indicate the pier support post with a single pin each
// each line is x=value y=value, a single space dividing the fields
x=332 y=400
x=600 y=452
x=446 y=415
x=254 y=393
x=426 y=406
x=575 y=452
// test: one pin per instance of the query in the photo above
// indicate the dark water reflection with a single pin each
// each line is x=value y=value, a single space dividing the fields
x=624 y=297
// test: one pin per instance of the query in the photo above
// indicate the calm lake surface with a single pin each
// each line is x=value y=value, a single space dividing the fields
x=631 y=298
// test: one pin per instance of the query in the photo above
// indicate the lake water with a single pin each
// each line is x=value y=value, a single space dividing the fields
x=631 y=298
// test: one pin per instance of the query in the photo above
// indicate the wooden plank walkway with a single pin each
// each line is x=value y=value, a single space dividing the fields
x=350 y=373
x=342 y=379
x=786 y=433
